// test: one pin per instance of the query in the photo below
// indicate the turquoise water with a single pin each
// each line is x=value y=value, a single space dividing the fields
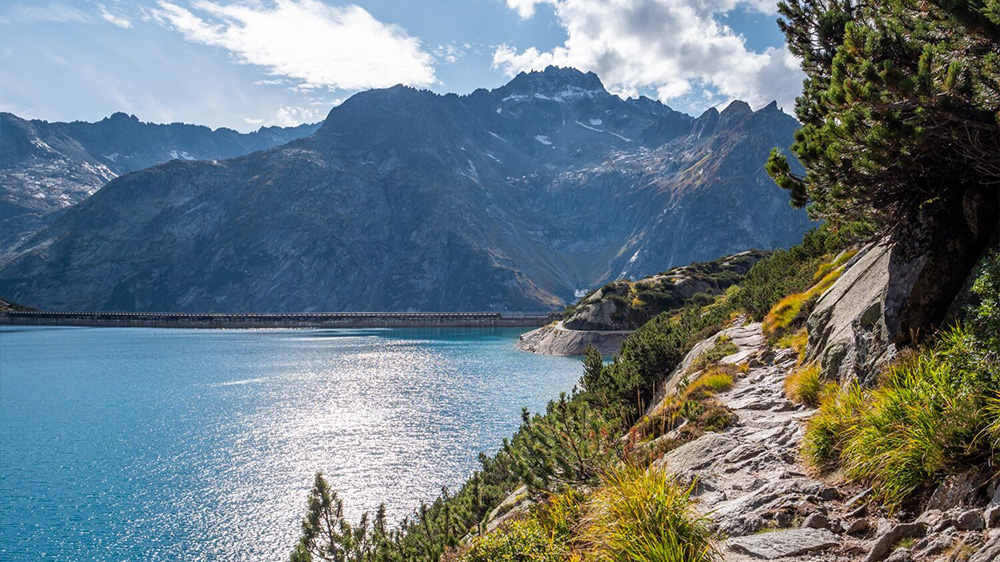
x=151 y=444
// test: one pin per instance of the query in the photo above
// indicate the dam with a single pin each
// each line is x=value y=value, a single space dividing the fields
x=280 y=320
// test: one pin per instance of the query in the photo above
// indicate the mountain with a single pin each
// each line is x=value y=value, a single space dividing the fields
x=47 y=167
x=508 y=199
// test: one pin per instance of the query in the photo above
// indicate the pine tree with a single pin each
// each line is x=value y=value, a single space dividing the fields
x=571 y=444
x=326 y=535
x=900 y=109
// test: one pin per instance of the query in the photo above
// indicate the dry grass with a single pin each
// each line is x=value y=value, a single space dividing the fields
x=803 y=385
x=797 y=340
x=641 y=515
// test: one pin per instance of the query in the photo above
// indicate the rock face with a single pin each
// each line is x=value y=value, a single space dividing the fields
x=852 y=328
x=510 y=199
x=605 y=317
x=47 y=167
x=891 y=292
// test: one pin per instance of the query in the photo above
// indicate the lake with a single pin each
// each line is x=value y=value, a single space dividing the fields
x=158 y=444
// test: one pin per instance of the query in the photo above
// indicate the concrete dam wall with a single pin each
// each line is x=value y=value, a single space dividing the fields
x=280 y=320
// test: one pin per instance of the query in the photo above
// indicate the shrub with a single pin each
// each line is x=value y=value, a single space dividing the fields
x=723 y=346
x=571 y=444
x=803 y=385
x=642 y=515
x=524 y=540
x=926 y=416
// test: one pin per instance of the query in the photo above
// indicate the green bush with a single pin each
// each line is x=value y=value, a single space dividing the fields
x=570 y=445
x=523 y=540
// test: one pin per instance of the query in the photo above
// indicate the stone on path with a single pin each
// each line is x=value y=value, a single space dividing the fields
x=780 y=544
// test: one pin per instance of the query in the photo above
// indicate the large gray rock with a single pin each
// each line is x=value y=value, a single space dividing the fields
x=852 y=328
x=781 y=544
x=892 y=293
x=703 y=452
x=555 y=339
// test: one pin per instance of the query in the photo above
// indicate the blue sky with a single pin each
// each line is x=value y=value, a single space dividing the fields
x=247 y=63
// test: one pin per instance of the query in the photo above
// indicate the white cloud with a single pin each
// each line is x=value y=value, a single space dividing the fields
x=289 y=116
x=319 y=46
x=113 y=19
x=675 y=47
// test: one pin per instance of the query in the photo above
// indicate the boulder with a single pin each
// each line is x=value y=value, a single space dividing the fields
x=955 y=490
x=971 y=520
x=781 y=544
x=816 y=521
x=894 y=291
x=882 y=546
x=701 y=453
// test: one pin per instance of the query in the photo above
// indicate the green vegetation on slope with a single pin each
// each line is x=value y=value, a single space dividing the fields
x=935 y=410
x=626 y=305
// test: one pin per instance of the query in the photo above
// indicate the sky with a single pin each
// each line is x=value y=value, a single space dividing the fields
x=244 y=64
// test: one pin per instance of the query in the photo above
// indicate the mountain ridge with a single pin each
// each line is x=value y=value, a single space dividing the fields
x=47 y=167
x=405 y=199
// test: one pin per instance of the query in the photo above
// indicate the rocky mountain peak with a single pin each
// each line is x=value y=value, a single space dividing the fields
x=557 y=82
x=121 y=117
x=737 y=107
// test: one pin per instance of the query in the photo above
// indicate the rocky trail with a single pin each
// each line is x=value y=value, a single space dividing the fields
x=751 y=481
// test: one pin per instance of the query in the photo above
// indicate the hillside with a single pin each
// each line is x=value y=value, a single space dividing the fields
x=509 y=199
x=605 y=317
x=47 y=167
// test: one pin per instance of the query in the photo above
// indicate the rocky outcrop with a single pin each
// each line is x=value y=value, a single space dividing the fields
x=608 y=315
x=556 y=339
x=897 y=291
x=626 y=304
x=855 y=322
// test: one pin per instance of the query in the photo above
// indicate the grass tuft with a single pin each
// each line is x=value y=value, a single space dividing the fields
x=804 y=386
x=640 y=515
x=927 y=415
x=717 y=378
x=723 y=346
x=797 y=340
